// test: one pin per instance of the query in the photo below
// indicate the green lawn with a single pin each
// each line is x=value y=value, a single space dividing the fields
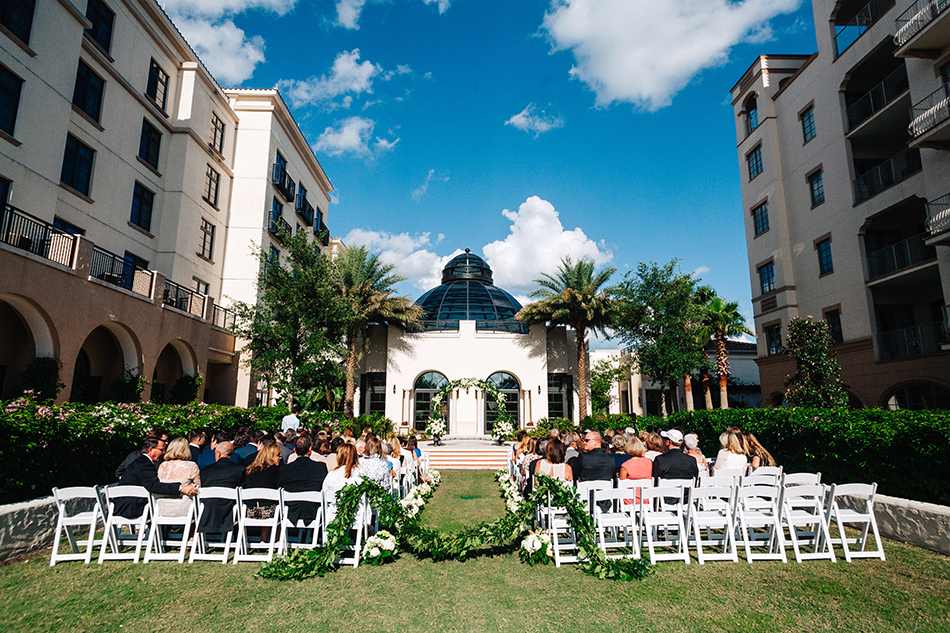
x=908 y=592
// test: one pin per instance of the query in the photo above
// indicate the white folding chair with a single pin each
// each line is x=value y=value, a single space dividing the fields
x=114 y=523
x=713 y=508
x=760 y=480
x=801 y=479
x=157 y=539
x=201 y=544
x=617 y=521
x=245 y=542
x=760 y=507
x=315 y=528
x=359 y=528
x=803 y=511
x=670 y=517
x=584 y=490
x=863 y=517
x=717 y=481
x=729 y=472
x=775 y=471
x=83 y=502
x=563 y=536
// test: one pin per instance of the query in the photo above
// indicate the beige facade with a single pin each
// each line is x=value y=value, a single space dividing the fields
x=134 y=191
x=845 y=176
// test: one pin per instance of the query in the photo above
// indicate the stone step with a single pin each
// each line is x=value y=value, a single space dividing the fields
x=467 y=459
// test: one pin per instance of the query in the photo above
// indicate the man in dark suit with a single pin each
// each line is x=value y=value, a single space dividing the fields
x=143 y=471
x=196 y=439
x=674 y=463
x=302 y=475
x=595 y=464
x=156 y=433
x=207 y=458
x=223 y=473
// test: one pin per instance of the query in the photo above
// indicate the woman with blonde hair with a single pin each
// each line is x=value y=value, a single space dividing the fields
x=638 y=466
x=654 y=445
x=756 y=452
x=263 y=473
x=731 y=456
x=177 y=468
x=347 y=472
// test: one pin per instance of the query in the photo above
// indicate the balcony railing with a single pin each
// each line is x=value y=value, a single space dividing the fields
x=284 y=183
x=877 y=97
x=184 y=299
x=847 y=34
x=24 y=231
x=279 y=227
x=432 y=325
x=304 y=209
x=887 y=174
x=515 y=327
x=324 y=234
x=920 y=340
x=120 y=272
x=916 y=17
x=930 y=111
x=224 y=318
x=900 y=256
x=938 y=215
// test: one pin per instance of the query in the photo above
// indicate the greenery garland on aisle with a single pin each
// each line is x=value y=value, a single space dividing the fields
x=403 y=522
x=436 y=427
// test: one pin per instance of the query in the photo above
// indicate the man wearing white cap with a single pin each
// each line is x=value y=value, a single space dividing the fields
x=674 y=463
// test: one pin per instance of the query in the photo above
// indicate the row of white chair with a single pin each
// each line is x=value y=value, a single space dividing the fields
x=729 y=509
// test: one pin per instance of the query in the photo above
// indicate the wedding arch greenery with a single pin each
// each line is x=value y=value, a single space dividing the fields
x=437 y=426
x=425 y=542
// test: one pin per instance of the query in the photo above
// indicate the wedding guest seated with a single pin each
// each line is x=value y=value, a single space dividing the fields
x=245 y=455
x=325 y=455
x=655 y=446
x=595 y=464
x=730 y=456
x=345 y=474
x=208 y=457
x=638 y=466
x=302 y=475
x=143 y=471
x=674 y=463
x=758 y=456
x=196 y=440
x=223 y=473
x=263 y=472
x=553 y=463
x=177 y=468
x=691 y=442
x=372 y=464
x=287 y=447
x=156 y=433
x=619 y=453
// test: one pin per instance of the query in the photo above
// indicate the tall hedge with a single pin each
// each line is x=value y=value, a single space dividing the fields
x=907 y=453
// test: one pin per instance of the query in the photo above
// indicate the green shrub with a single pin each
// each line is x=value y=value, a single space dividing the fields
x=545 y=425
x=41 y=376
x=603 y=421
x=128 y=388
x=186 y=389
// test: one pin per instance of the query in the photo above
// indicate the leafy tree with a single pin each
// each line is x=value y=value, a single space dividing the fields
x=366 y=292
x=295 y=330
x=657 y=317
x=574 y=297
x=603 y=375
x=721 y=320
x=41 y=376
x=817 y=378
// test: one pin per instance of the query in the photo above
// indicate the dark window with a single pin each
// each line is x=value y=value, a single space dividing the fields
x=17 y=16
x=825 y=265
x=102 y=18
x=87 y=95
x=767 y=277
x=274 y=255
x=217 y=134
x=760 y=218
x=201 y=287
x=207 y=239
x=131 y=263
x=560 y=396
x=773 y=339
x=150 y=144
x=373 y=390
x=426 y=386
x=77 y=165
x=752 y=116
x=833 y=319
x=212 y=180
x=67 y=227
x=143 y=202
x=808 y=123
x=280 y=160
x=157 y=89
x=10 y=86
x=755 y=162
x=816 y=188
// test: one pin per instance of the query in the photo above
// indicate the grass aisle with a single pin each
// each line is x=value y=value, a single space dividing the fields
x=909 y=592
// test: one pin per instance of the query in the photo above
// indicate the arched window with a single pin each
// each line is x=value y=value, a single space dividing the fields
x=510 y=388
x=919 y=396
x=751 y=114
x=427 y=385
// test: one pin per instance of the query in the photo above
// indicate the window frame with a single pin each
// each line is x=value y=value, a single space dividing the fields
x=766 y=287
x=140 y=216
x=760 y=220
x=837 y=335
x=157 y=79
x=25 y=9
x=816 y=186
x=773 y=346
x=197 y=286
x=103 y=24
x=14 y=95
x=218 y=127
x=77 y=175
x=754 y=159
x=826 y=264
x=807 y=118
x=150 y=143
x=81 y=101
x=206 y=239
x=212 y=186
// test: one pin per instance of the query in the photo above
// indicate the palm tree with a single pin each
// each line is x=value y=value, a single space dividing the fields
x=573 y=297
x=366 y=290
x=721 y=321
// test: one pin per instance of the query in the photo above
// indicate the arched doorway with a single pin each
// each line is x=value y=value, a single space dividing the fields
x=17 y=349
x=509 y=386
x=920 y=395
x=167 y=371
x=426 y=386
x=100 y=361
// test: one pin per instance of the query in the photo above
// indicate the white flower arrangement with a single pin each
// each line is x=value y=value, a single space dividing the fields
x=379 y=548
x=501 y=430
x=536 y=548
x=433 y=475
x=436 y=428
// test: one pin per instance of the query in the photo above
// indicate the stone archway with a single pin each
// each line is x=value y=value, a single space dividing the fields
x=26 y=335
x=107 y=354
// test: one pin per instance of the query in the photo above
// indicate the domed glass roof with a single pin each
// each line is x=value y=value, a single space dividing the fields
x=468 y=294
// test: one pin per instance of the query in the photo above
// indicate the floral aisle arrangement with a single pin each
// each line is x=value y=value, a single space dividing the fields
x=509 y=490
x=502 y=430
x=536 y=549
x=436 y=429
x=433 y=476
x=380 y=548
x=417 y=497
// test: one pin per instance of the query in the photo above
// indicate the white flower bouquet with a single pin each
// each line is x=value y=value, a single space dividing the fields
x=379 y=548
x=501 y=431
x=536 y=549
x=436 y=429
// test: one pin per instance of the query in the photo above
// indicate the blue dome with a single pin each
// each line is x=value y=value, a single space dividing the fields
x=468 y=294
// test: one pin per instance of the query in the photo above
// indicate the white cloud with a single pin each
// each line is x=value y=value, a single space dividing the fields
x=219 y=8
x=420 y=191
x=702 y=270
x=442 y=4
x=348 y=13
x=348 y=76
x=352 y=136
x=413 y=261
x=225 y=49
x=528 y=121
x=536 y=244
x=645 y=51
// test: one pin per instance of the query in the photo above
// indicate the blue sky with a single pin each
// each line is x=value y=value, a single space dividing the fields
x=523 y=130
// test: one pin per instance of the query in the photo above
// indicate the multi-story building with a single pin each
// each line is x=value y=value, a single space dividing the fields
x=134 y=189
x=845 y=177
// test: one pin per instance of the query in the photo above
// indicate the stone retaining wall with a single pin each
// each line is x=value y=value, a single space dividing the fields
x=26 y=526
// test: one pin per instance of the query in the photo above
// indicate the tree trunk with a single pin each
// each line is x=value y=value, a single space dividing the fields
x=663 y=412
x=723 y=392
x=581 y=334
x=722 y=363
x=348 y=408
x=688 y=387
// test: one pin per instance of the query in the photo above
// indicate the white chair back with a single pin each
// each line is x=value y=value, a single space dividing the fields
x=801 y=479
x=248 y=498
x=308 y=533
x=114 y=522
x=201 y=544
x=76 y=507
x=159 y=538
x=713 y=508
x=858 y=510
